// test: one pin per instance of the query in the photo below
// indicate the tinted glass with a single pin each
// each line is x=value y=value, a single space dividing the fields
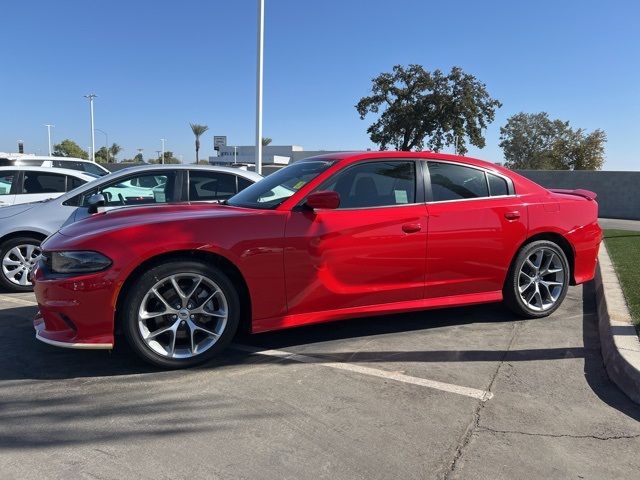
x=277 y=187
x=6 y=181
x=73 y=182
x=39 y=182
x=497 y=185
x=243 y=183
x=132 y=191
x=71 y=165
x=456 y=182
x=209 y=186
x=92 y=168
x=375 y=184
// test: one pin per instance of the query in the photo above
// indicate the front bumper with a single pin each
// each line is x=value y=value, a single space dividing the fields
x=74 y=312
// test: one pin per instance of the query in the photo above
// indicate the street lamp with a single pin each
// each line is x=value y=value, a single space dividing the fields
x=259 y=77
x=162 y=140
x=106 y=141
x=49 y=135
x=91 y=96
x=235 y=155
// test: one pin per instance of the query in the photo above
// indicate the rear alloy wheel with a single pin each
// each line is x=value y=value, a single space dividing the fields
x=18 y=256
x=538 y=280
x=180 y=314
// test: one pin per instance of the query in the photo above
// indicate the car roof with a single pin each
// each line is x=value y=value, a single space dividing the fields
x=363 y=155
x=62 y=171
x=208 y=168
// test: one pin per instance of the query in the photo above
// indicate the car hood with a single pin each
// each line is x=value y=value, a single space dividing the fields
x=13 y=210
x=131 y=217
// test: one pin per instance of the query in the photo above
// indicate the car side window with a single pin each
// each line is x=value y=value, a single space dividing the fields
x=456 y=182
x=375 y=184
x=73 y=182
x=497 y=185
x=40 y=182
x=210 y=186
x=91 y=168
x=142 y=189
x=243 y=183
x=6 y=182
x=70 y=164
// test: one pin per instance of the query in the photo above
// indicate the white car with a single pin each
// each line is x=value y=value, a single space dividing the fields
x=26 y=160
x=23 y=227
x=34 y=184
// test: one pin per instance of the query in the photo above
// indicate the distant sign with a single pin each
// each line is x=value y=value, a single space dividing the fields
x=219 y=141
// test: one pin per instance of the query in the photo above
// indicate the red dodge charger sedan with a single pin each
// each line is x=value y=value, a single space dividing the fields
x=327 y=238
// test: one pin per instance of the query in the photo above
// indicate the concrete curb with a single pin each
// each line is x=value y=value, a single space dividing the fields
x=618 y=337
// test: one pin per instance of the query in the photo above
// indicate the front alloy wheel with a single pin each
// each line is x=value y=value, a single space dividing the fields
x=180 y=314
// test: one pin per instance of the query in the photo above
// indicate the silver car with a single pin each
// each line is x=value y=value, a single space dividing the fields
x=23 y=227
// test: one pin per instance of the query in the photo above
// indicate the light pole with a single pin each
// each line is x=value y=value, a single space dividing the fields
x=259 y=87
x=235 y=154
x=162 y=140
x=49 y=135
x=91 y=96
x=106 y=141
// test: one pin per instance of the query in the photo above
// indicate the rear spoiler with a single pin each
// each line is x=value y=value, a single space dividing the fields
x=588 y=194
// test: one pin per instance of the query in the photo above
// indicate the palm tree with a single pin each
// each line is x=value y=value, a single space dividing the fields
x=266 y=141
x=114 y=150
x=198 y=130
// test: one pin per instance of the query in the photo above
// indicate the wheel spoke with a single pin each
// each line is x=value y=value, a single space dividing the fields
x=16 y=251
x=169 y=308
x=195 y=287
x=171 y=328
x=547 y=264
x=11 y=263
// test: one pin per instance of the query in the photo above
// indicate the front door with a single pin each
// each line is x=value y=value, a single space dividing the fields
x=369 y=251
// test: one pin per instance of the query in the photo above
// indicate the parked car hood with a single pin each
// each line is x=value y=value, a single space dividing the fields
x=13 y=210
x=130 y=217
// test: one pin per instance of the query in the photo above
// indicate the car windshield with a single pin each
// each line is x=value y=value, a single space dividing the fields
x=277 y=187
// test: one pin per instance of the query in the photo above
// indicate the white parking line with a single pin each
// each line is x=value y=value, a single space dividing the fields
x=482 y=395
x=17 y=301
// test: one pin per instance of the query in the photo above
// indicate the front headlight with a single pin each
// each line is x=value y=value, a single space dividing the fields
x=77 y=262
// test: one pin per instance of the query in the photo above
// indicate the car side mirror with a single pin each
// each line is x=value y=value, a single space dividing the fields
x=95 y=202
x=324 y=199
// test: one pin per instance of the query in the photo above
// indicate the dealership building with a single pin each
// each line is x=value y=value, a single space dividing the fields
x=274 y=157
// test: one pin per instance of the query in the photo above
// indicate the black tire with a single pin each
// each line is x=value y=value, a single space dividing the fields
x=128 y=315
x=5 y=247
x=512 y=297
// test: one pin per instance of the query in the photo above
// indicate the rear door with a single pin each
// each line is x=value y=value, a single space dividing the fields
x=476 y=223
x=37 y=186
x=8 y=186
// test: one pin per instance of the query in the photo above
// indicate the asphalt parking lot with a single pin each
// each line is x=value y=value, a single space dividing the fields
x=457 y=393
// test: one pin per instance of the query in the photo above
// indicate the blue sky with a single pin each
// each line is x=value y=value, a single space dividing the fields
x=158 y=65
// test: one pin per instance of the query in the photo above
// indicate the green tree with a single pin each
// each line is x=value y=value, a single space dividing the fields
x=138 y=158
x=101 y=155
x=414 y=104
x=534 y=141
x=114 y=150
x=69 y=148
x=198 y=131
x=168 y=159
x=266 y=141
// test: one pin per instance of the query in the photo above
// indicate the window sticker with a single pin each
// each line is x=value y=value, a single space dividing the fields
x=299 y=185
x=401 y=196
